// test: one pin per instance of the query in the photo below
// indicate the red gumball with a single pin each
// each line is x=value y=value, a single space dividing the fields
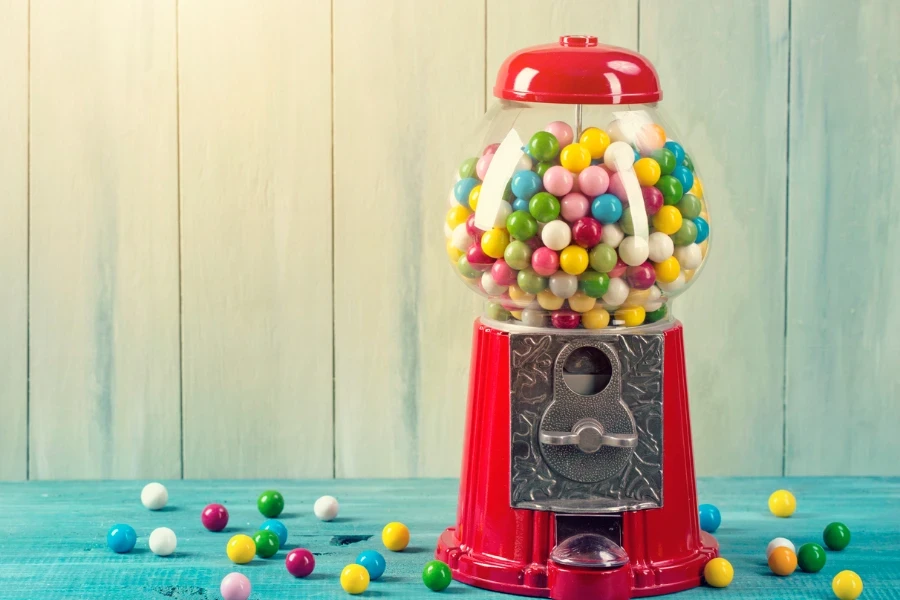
x=214 y=517
x=565 y=319
x=300 y=562
x=653 y=199
x=619 y=269
x=478 y=259
x=586 y=232
x=642 y=276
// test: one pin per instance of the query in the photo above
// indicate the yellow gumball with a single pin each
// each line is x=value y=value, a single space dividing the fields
x=516 y=313
x=636 y=298
x=667 y=220
x=697 y=190
x=847 y=585
x=354 y=579
x=667 y=270
x=395 y=536
x=520 y=298
x=495 y=241
x=453 y=252
x=647 y=171
x=596 y=318
x=457 y=215
x=595 y=140
x=581 y=302
x=782 y=503
x=473 y=197
x=549 y=301
x=718 y=573
x=573 y=260
x=689 y=274
x=575 y=157
x=241 y=549
x=631 y=317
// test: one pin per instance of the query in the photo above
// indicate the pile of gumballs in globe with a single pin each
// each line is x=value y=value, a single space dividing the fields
x=565 y=250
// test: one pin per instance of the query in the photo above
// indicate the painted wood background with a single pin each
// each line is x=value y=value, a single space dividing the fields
x=220 y=251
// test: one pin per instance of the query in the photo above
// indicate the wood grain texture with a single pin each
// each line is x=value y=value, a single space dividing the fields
x=13 y=238
x=66 y=525
x=408 y=91
x=723 y=70
x=843 y=346
x=255 y=114
x=104 y=240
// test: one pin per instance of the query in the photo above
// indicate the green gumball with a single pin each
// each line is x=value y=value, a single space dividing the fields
x=543 y=146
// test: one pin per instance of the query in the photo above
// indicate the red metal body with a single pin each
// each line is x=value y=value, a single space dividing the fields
x=497 y=547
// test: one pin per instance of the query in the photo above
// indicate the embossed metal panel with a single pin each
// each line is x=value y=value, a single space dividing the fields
x=601 y=478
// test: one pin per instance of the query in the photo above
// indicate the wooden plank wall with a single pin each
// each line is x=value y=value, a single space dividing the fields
x=221 y=236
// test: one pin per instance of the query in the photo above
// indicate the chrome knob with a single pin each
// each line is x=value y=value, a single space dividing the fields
x=589 y=436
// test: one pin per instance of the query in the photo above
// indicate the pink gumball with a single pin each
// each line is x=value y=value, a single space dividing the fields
x=482 y=166
x=653 y=199
x=617 y=188
x=545 y=261
x=565 y=319
x=490 y=149
x=593 y=181
x=478 y=260
x=235 y=587
x=586 y=232
x=574 y=206
x=562 y=131
x=558 y=181
x=474 y=231
x=502 y=273
x=535 y=242
x=508 y=303
x=618 y=270
x=642 y=276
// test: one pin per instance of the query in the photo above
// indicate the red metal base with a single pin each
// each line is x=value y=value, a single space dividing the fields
x=507 y=550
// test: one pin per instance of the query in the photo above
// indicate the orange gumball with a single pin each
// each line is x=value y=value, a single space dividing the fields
x=650 y=137
x=782 y=561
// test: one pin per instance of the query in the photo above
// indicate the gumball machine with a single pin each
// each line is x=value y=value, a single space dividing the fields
x=579 y=215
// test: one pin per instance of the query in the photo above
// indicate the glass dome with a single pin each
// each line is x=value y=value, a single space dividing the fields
x=579 y=214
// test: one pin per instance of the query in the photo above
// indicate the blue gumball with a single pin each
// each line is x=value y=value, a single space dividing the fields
x=606 y=208
x=121 y=538
x=276 y=527
x=462 y=188
x=676 y=149
x=702 y=230
x=710 y=518
x=520 y=204
x=525 y=184
x=684 y=175
x=373 y=562
x=637 y=155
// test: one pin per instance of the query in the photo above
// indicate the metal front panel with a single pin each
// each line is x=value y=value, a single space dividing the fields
x=565 y=478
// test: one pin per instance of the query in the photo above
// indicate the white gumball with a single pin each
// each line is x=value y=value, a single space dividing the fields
x=619 y=156
x=620 y=131
x=672 y=286
x=490 y=286
x=780 y=542
x=563 y=284
x=326 y=508
x=689 y=257
x=616 y=293
x=503 y=211
x=460 y=238
x=556 y=235
x=634 y=250
x=612 y=235
x=661 y=246
x=533 y=317
x=154 y=496
x=163 y=541
x=653 y=300
x=525 y=163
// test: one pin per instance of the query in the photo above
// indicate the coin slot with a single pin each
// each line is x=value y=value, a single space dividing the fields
x=587 y=371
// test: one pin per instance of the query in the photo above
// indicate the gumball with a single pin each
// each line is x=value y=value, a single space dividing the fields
x=121 y=538
x=520 y=204
x=502 y=273
x=667 y=220
x=436 y=576
x=460 y=238
x=517 y=255
x=454 y=253
x=525 y=184
x=637 y=298
x=241 y=549
x=671 y=189
x=276 y=527
x=162 y=541
x=689 y=257
x=558 y=181
x=688 y=162
x=671 y=286
x=521 y=225
x=811 y=557
x=467 y=270
x=595 y=140
x=779 y=542
x=647 y=171
x=619 y=269
x=836 y=536
x=667 y=271
x=782 y=503
x=684 y=176
x=573 y=259
x=354 y=579
x=634 y=250
x=562 y=131
x=697 y=190
x=266 y=543
x=470 y=227
x=456 y=215
x=467 y=168
x=565 y=319
x=603 y=257
x=545 y=262
x=581 y=302
x=641 y=277
x=462 y=189
x=496 y=311
x=596 y=318
x=606 y=208
x=656 y=315
x=490 y=149
x=665 y=159
x=214 y=517
x=718 y=573
x=617 y=292
x=847 y=585
x=395 y=536
x=676 y=150
x=530 y=281
x=478 y=260
x=593 y=284
x=549 y=301
x=473 y=197
x=574 y=206
x=575 y=157
x=525 y=163
x=782 y=561
x=702 y=230
x=661 y=246
x=653 y=301
x=619 y=156
x=689 y=206
x=543 y=146
x=235 y=586
x=686 y=234
x=533 y=317
x=653 y=200
x=650 y=137
x=482 y=166
x=586 y=232
x=544 y=207
x=617 y=188
x=494 y=242
x=626 y=222
x=541 y=168
x=593 y=181
x=710 y=518
x=373 y=562
x=556 y=235
x=154 y=496
x=630 y=317
x=563 y=285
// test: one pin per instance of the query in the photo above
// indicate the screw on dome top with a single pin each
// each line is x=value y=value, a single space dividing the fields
x=578 y=41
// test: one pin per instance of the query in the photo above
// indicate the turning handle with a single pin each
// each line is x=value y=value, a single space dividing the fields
x=589 y=436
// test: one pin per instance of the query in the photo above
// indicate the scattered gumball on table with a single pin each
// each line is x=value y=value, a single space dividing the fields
x=300 y=562
x=121 y=538
x=811 y=557
x=278 y=528
x=436 y=576
x=395 y=536
x=266 y=543
x=326 y=508
x=847 y=585
x=235 y=586
x=154 y=496
x=270 y=503
x=710 y=518
x=836 y=536
x=779 y=542
x=782 y=561
x=782 y=503
x=354 y=579
x=718 y=572
x=373 y=562
x=214 y=517
x=241 y=549
x=163 y=541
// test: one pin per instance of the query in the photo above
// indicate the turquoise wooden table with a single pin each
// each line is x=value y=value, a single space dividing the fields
x=54 y=538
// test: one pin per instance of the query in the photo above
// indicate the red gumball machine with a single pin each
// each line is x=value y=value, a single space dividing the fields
x=579 y=215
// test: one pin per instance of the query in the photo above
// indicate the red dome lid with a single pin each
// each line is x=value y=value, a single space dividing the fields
x=578 y=70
